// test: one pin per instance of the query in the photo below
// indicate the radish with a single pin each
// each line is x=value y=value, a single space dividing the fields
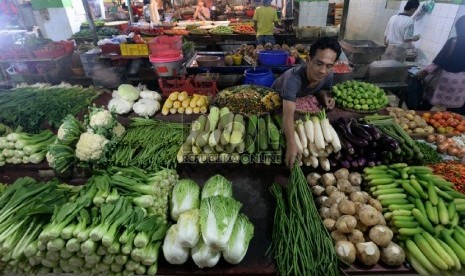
x=325 y=126
x=308 y=127
x=336 y=143
x=297 y=142
x=313 y=150
x=314 y=161
x=319 y=140
x=301 y=132
x=324 y=162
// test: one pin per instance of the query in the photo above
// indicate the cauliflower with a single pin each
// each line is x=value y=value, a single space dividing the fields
x=69 y=130
x=90 y=147
x=100 y=118
x=50 y=159
x=119 y=130
x=120 y=106
x=146 y=107
x=152 y=95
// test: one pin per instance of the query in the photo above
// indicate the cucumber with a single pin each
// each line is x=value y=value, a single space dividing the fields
x=387 y=191
x=432 y=195
x=252 y=125
x=262 y=135
x=423 y=220
x=429 y=252
x=410 y=190
x=381 y=181
x=442 y=212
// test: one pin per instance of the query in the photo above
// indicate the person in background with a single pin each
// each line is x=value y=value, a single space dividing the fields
x=399 y=32
x=201 y=12
x=449 y=88
x=265 y=18
x=314 y=77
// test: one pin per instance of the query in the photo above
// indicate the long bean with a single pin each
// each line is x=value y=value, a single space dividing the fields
x=301 y=244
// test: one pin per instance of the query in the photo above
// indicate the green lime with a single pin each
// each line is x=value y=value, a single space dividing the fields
x=365 y=107
x=357 y=106
x=356 y=101
x=363 y=101
x=369 y=101
x=350 y=105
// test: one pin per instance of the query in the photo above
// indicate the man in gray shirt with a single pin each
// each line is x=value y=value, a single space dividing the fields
x=315 y=77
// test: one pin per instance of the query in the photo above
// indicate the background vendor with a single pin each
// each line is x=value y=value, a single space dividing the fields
x=265 y=18
x=315 y=77
x=201 y=12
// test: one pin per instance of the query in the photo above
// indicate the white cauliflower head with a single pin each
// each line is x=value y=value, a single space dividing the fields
x=120 y=106
x=102 y=118
x=90 y=147
x=119 y=130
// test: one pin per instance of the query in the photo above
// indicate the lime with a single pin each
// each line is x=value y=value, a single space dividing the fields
x=357 y=106
x=363 y=101
x=369 y=101
x=365 y=107
x=350 y=105
x=356 y=101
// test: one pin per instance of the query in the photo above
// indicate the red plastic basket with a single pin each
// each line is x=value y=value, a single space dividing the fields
x=164 y=42
x=188 y=84
x=50 y=52
x=68 y=44
x=110 y=48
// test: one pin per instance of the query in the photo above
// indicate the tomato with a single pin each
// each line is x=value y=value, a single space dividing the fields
x=437 y=125
x=437 y=116
x=442 y=122
x=432 y=121
x=446 y=116
x=460 y=128
x=426 y=115
x=455 y=132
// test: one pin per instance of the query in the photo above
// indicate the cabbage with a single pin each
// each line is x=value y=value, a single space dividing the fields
x=128 y=92
x=217 y=185
x=189 y=228
x=217 y=217
x=239 y=240
x=184 y=198
x=172 y=250
x=205 y=256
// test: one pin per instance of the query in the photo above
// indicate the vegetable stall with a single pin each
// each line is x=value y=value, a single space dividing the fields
x=136 y=182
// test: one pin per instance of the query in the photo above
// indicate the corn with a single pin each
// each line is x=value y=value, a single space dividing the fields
x=196 y=110
x=168 y=103
x=193 y=102
x=203 y=109
x=165 y=110
x=201 y=102
x=177 y=104
x=188 y=110
x=182 y=96
x=181 y=110
x=173 y=110
x=173 y=96
x=186 y=102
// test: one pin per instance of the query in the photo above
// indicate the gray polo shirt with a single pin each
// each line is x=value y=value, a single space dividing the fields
x=293 y=83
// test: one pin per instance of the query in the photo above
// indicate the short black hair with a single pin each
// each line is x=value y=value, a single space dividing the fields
x=460 y=25
x=411 y=4
x=326 y=43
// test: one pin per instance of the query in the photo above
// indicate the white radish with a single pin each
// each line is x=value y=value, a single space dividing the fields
x=313 y=150
x=301 y=132
x=305 y=152
x=325 y=127
x=329 y=149
x=319 y=139
x=322 y=153
x=297 y=142
x=324 y=162
x=314 y=161
x=336 y=143
x=308 y=126
x=306 y=160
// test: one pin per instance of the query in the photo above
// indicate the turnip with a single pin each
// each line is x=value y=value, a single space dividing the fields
x=355 y=178
x=330 y=224
x=375 y=204
x=345 y=250
x=313 y=179
x=328 y=179
x=318 y=190
x=334 y=212
x=342 y=174
x=330 y=190
x=381 y=235
x=324 y=212
x=358 y=197
x=338 y=236
x=346 y=223
x=344 y=186
x=346 y=207
x=356 y=236
x=368 y=215
x=392 y=254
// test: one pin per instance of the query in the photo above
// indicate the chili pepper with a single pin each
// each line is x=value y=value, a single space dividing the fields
x=453 y=172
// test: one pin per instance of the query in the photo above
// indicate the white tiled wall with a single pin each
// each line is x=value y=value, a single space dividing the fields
x=313 y=13
x=57 y=27
x=368 y=20
x=76 y=15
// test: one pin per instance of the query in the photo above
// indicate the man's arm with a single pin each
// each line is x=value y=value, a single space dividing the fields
x=292 y=153
x=255 y=25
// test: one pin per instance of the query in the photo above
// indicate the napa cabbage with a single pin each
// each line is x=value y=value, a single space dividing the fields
x=189 y=228
x=239 y=241
x=172 y=249
x=217 y=185
x=205 y=256
x=185 y=197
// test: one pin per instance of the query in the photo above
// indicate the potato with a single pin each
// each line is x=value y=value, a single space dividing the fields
x=344 y=186
x=346 y=224
x=346 y=251
x=355 y=178
x=346 y=207
x=338 y=236
x=313 y=179
x=381 y=235
x=375 y=204
x=342 y=174
x=335 y=197
x=320 y=201
x=360 y=226
x=356 y=236
x=382 y=220
x=324 y=212
x=392 y=254
x=367 y=253
x=410 y=117
x=419 y=130
x=412 y=125
x=358 y=197
x=328 y=179
x=356 y=189
x=330 y=224
x=358 y=206
x=368 y=215
x=331 y=189
x=334 y=212
x=317 y=190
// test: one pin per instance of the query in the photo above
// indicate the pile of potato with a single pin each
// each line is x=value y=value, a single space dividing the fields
x=354 y=219
x=410 y=121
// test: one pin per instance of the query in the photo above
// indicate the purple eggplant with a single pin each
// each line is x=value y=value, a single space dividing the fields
x=349 y=137
x=346 y=145
x=374 y=132
x=345 y=164
x=354 y=164
x=361 y=162
x=358 y=131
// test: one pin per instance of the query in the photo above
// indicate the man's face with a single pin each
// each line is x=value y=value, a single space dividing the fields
x=321 y=64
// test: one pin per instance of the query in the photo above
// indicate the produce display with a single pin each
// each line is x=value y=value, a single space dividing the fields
x=227 y=137
x=23 y=148
x=341 y=67
x=181 y=102
x=102 y=32
x=221 y=30
x=87 y=144
x=430 y=155
x=300 y=243
x=208 y=224
x=453 y=172
x=446 y=145
x=355 y=219
x=410 y=121
x=244 y=29
x=248 y=99
x=149 y=144
x=297 y=52
x=116 y=222
x=33 y=106
x=445 y=122
x=316 y=139
x=425 y=212
x=359 y=96
x=127 y=98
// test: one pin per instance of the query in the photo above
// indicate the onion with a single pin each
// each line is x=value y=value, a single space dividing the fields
x=440 y=138
x=461 y=153
x=431 y=138
x=442 y=148
x=453 y=151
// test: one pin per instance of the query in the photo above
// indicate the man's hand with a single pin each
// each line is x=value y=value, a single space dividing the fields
x=326 y=100
x=292 y=154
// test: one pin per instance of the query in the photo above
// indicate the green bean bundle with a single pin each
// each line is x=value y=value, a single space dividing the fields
x=150 y=144
x=300 y=243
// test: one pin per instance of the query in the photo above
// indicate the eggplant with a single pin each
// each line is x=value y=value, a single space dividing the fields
x=345 y=164
x=371 y=154
x=354 y=164
x=389 y=143
x=373 y=130
x=371 y=163
x=361 y=161
x=346 y=145
x=347 y=135
x=358 y=131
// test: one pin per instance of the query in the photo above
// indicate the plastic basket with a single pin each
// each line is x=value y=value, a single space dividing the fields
x=110 y=48
x=134 y=49
x=164 y=42
x=188 y=84
x=273 y=57
x=50 y=52
x=68 y=44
